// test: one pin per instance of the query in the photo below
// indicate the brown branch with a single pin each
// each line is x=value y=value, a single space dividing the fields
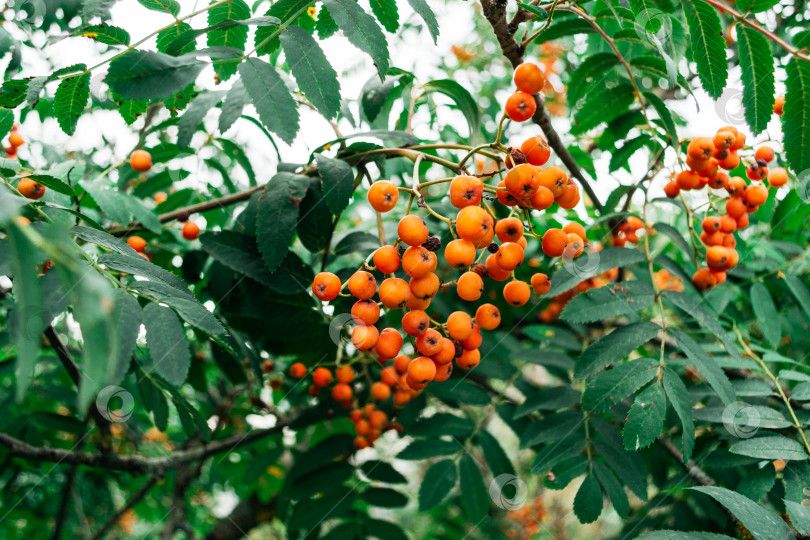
x=135 y=464
x=495 y=13
x=135 y=499
x=696 y=473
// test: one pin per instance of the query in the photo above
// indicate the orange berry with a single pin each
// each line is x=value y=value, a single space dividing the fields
x=575 y=228
x=401 y=363
x=505 y=197
x=755 y=195
x=418 y=303
x=719 y=180
x=672 y=189
x=394 y=293
x=739 y=141
x=469 y=359
x=494 y=270
x=459 y=325
x=728 y=224
x=731 y=161
x=474 y=341
x=485 y=240
x=160 y=197
x=389 y=343
x=735 y=207
x=742 y=221
x=724 y=139
x=736 y=186
x=529 y=78
x=421 y=370
x=326 y=286
x=443 y=372
x=298 y=370
x=426 y=286
x=704 y=279
x=446 y=353
x=473 y=223
x=361 y=443
x=383 y=196
x=509 y=256
x=344 y=374
x=377 y=418
x=137 y=243
x=765 y=153
x=687 y=180
x=321 y=376
x=15 y=139
x=711 y=224
x=470 y=286
x=554 y=179
x=429 y=343
x=509 y=229
x=365 y=312
x=777 y=177
x=140 y=160
x=570 y=196
x=554 y=242
x=190 y=230
x=401 y=397
x=575 y=246
x=778 y=105
x=717 y=257
x=540 y=283
x=365 y=337
x=520 y=106
x=362 y=427
x=517 y=293
x=412 y=230
x=418 y=261
x=755 y=171
x=342 y=392
x=466 y=191
x=386 y=259
x=487 y=317
x=700 y=148
x=460 y=253
x=415 y=323
x=389 y=375
x=31 y=189
x=522 y=181
x=536 y=150
x=355 y=415
x=543 y=198
x=709 y=171
x=362 y=285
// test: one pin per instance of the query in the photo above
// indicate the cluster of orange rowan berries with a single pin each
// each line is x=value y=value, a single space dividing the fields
x=15 y=140
x=529 y=80
x=705 y=158
x=627 y=231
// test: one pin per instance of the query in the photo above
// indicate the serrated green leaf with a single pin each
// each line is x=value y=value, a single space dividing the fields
x=194 y=115
x=613 y=488
x=286 y=11
x=127 y=317
x=270 y=96
x=645 y=418
x=278 y=215
x=428 y=448
x=374 y=95
x=315 y=221
x=762 y=523
x=628 y=465
x=325 y=25
x=167 y=343
x=614 y=347
x=53 y=183
x=232 y=106
x=588 y=500
x=13 y=92
x=756 y=62
x=462 y=98
x=647 y=15
x=799 y=516
x=796 y=116
x=614 y=300
x=105 y=33
x=386 y=12
x=679 y=397
x=195 y=314
x=664 y=114
x=362 y=31
x=338 y=182
x=563 y=28
x=706 y=365
x=770 y=447
x=602 y=106
x=756 y=6
x=588 y=73
x=757 y=484
x=312 y=71
x=551 y=428
x=233 y=36
x=103 y=239
x=442 y=424
x=476 y=498
x=151 y=75
x=548 y=399
x=691 y=307
x=707 y=46
x=423 y=10
x=622 y=155
x=138 y=266
x=767 y=315
x=612 y=386
x=384 y=497
x=497 y=459
x=166 y=6
x=70 y=100
x=439 y=479
x=382 y=472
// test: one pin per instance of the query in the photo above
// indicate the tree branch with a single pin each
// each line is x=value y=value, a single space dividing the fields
x=495 y=13
x=135 y=464
x=135 y=499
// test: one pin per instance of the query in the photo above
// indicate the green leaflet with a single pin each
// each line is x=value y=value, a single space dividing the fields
x=708 y=47
x=796 y=117
x=268 y=93
x=757 y=66
x=70 y=100
x=315 y=76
